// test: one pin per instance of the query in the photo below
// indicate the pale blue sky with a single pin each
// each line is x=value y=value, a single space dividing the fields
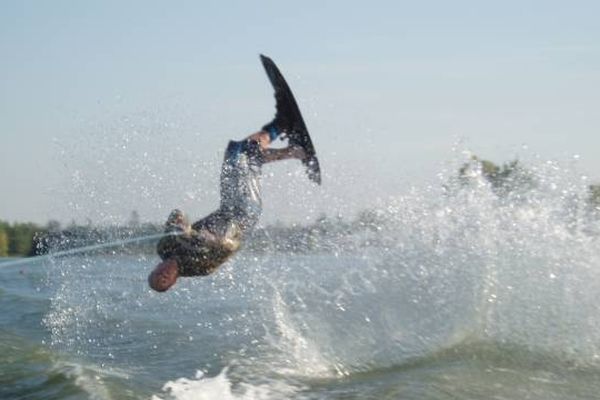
x=111 y=106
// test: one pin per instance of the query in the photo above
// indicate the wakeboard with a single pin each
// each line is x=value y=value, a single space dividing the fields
x=298 y=135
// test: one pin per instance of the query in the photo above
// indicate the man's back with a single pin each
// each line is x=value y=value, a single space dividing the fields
x=201 y=249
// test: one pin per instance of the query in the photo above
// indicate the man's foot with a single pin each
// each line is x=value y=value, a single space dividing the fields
x=177 y=222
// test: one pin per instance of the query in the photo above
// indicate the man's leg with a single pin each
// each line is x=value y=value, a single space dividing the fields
x=264 y=139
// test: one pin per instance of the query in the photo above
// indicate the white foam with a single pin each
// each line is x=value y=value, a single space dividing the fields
x=220 y=387
x=89 y=378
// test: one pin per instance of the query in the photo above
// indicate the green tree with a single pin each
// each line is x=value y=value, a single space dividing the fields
x=21 y=238
x=594 y=198
x=3 y=242
x=504 y=179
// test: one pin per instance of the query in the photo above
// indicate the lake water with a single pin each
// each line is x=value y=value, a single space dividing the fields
x=469 y=296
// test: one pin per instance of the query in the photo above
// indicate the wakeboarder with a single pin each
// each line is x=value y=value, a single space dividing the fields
x=199 y=249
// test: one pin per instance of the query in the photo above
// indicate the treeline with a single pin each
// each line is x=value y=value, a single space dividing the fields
x=29 y=239
x=324 y=234
x=595 y=196
x=122 y=238
x=17 y=239
x=512 y=176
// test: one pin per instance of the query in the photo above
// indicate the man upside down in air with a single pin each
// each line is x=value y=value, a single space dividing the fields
x=199 y=249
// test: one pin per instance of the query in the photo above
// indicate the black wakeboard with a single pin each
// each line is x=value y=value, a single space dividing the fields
x=298 y=135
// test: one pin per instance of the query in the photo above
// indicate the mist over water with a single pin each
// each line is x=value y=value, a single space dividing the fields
x=153 y=162
x=452 y=289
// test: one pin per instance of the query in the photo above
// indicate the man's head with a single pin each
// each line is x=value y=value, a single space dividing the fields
x=164 y=275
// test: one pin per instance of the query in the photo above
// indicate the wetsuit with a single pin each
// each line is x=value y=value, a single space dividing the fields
x=215 y=238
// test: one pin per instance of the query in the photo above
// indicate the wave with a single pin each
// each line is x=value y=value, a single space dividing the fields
x=221 y=387
x=448 y=271
x=30 y=370
x=446 y=264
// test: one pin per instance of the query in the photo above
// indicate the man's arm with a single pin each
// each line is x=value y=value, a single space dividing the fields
x=229 y=241
x=270 y=155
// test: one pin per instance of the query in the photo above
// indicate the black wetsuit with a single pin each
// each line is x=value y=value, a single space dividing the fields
x=218 y=236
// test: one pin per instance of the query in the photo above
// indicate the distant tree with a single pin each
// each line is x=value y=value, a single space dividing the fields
x=594 y=198
x=134 y=219
x=3 y=242
x=53 y=226
x=21 y=238
x=504 y=179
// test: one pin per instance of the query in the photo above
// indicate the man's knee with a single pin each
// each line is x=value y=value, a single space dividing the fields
x=262 y=138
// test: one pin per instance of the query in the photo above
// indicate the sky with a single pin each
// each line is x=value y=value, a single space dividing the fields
x=109 y=107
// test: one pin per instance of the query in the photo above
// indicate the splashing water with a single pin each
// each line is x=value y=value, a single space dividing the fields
x=448 y=274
